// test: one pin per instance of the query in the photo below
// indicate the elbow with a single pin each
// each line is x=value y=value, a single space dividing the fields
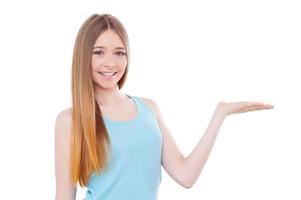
x=186 y=177
x=186 y=183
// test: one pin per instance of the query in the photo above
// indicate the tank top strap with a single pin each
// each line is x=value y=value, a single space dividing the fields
x=142 y=107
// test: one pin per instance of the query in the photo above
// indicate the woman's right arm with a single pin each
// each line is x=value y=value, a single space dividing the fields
x=64 y=188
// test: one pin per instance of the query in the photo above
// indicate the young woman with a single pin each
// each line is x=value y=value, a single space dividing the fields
x=114 y=143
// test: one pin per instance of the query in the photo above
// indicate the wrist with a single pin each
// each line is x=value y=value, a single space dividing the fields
x=220 y=110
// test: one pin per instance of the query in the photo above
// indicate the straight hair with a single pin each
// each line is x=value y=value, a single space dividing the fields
x=90 y=143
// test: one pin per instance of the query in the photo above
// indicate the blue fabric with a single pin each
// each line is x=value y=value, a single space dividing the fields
x=134 y=170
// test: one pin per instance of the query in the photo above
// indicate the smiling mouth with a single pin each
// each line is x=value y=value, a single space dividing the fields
x=108 y=75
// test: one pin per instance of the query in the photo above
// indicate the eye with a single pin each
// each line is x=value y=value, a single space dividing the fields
x=98 y=52
x=120 y=53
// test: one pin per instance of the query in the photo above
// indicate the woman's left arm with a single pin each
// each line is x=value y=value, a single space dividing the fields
x=186 y=170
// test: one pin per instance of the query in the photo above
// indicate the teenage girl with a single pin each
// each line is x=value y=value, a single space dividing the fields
x=114 y=143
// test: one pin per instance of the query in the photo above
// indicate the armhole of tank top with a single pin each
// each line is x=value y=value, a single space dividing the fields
x=147 y=106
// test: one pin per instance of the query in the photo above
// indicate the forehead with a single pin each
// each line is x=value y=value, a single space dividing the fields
x=109 y=39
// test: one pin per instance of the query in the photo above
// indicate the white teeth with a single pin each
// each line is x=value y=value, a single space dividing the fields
x=107 y=74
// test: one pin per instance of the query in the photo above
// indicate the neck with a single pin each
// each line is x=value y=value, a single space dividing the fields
x=108 y=97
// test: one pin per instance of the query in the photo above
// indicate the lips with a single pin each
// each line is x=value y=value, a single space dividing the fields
x=108 y=74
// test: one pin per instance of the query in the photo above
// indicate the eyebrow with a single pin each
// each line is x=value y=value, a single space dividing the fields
x=101 y=47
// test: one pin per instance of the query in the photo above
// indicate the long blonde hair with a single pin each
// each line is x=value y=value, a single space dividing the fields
x=90 y=142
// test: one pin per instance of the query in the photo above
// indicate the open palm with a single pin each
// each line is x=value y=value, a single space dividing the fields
x=242 y=106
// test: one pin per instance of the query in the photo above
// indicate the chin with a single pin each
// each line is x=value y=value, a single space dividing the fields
x=106 y=86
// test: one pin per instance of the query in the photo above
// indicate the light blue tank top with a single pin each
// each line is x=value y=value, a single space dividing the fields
x=134 y=170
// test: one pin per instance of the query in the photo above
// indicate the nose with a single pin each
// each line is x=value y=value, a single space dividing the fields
x=110 y=61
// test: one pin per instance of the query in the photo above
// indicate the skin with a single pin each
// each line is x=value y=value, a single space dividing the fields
x=107 y=59
x=111 y=57
x=186 y=170
x=117 y=106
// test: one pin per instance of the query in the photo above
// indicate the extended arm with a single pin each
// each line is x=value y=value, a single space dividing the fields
x=193 y=164
x=186 y=170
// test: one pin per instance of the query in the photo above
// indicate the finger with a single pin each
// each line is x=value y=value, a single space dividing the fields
x=265 y=106
x=254 y=103
x=258 y=108
x=269 y=105
x=261 y=105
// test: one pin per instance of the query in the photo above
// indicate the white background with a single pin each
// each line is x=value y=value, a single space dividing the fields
x=187 y=56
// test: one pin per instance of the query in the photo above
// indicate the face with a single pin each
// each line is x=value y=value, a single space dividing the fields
x=109 y=60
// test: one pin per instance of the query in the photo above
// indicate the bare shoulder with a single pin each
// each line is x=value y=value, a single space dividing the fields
x=152 y=104
x=63 y=121
x=67 y=113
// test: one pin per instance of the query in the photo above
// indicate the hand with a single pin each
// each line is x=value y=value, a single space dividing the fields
x=241 y=107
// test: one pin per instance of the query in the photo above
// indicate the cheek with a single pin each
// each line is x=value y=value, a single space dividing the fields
x=121 y=64
x=124 y=63
x=94 y=64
